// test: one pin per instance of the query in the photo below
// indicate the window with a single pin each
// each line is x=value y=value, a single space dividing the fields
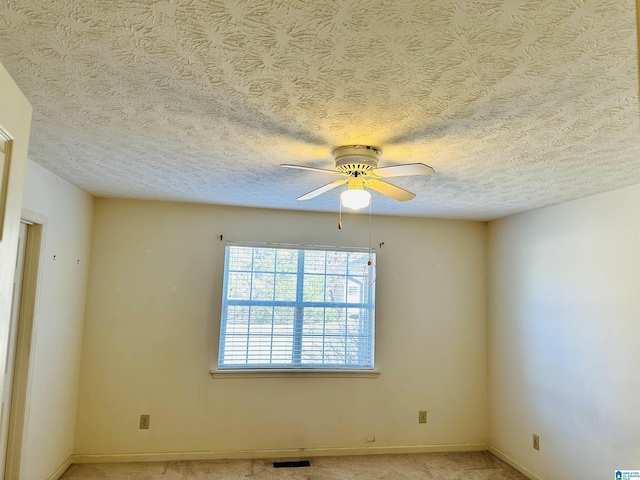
x=286 y=307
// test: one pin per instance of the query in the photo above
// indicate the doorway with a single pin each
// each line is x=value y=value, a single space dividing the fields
x=14 y=393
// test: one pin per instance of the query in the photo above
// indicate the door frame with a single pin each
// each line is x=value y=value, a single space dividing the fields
x=25 y=343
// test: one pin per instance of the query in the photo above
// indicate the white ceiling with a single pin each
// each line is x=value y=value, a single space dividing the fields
x=517 y=104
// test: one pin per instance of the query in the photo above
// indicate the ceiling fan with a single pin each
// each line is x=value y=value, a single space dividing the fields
x=359 y=164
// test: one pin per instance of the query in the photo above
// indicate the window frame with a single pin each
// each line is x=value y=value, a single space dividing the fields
x=297 y=366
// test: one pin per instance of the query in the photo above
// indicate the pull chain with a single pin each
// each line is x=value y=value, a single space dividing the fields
x=371 y=266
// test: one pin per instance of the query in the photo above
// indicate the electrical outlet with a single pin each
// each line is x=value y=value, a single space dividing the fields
x=144 y=422
x=536 y=442
x=422 y=416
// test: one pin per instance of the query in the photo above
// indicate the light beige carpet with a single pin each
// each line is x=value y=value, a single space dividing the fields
x=437 y=466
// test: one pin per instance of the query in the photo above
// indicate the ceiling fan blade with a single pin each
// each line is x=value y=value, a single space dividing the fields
x=313 y=169
x=323 y=189
x=404 y=170
x=389 y=190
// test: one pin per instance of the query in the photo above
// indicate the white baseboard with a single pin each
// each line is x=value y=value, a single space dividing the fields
x=505 y=458
x=284 y=453
x=62 y=468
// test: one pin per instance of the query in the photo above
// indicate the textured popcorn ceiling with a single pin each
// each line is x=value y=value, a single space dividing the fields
x=517 y=104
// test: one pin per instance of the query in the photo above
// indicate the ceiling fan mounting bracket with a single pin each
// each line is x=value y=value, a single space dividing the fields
x=356 y=159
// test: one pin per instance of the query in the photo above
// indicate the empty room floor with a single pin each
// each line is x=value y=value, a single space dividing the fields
x=438 y=466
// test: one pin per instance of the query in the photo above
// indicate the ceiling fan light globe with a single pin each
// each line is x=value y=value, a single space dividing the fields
x=355 y=199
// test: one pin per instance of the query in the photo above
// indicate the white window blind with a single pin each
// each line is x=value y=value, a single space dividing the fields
x=285 y=307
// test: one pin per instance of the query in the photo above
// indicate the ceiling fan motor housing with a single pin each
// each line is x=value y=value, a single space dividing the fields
x=355 y=159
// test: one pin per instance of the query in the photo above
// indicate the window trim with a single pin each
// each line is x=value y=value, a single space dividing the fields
x=295 y=370
x=229 y=373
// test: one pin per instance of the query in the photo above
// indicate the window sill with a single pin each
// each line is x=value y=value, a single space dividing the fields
x=294 y=373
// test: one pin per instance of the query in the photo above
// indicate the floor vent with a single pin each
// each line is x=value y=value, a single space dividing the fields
x=301 y=463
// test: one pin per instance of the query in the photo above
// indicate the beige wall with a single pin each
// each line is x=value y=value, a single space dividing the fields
x=564 y=336
x=152 y=323
x=57 y=340
x=15 y=120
